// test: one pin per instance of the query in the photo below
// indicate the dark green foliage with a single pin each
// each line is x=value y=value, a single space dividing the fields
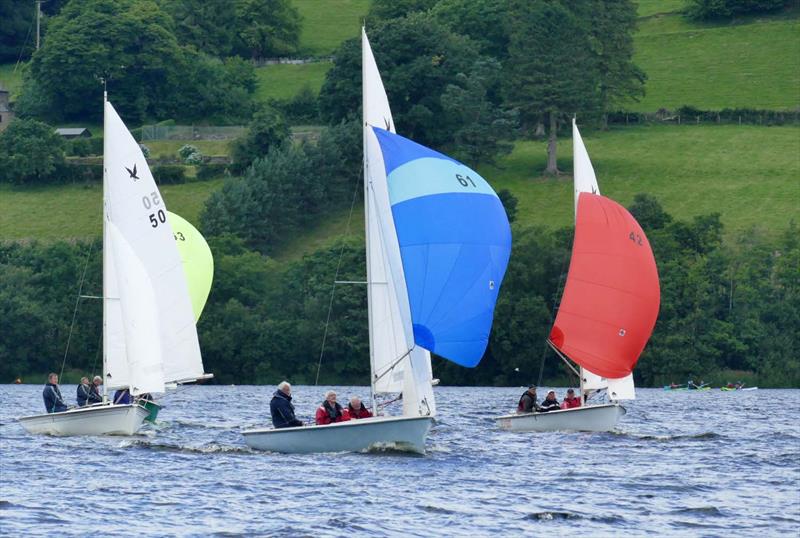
x=268 y=129
x=291 y=186
x=384 y=10
x=129 y=43
x=509 y=203
x=79 y=173
x=16 y=20
x=211 y=27
x=720 y=9
x=486 y=22
x=418 y=59
x=30 y=152
x=169 y=174
x=300 y=109
x=211 y=170
x=268 y=28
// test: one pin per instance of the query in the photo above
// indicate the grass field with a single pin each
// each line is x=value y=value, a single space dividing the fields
x=326 y=23
x=169 y=148
x=11 y=79
x=752 y=63
x=749 y=174
x=283 y=81
x=74 y=211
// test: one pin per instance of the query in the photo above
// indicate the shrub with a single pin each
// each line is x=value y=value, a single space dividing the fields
x=80 y=173
x=79 y=147
x=145 y=151
x=30 y=152
x=187 y=150
x=211 y=171
x=169 y=174
x=720 y=9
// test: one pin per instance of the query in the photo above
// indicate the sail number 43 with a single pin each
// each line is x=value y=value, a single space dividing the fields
x=150 y=202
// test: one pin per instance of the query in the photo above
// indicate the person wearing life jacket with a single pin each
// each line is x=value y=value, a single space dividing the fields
x=122 y=397
x=282 y=409
x=83 y=391
x=53 y=401
x=355 y=409
x=527 y=402
x=331 y=411
x=94 y=391
x=570 y=400
x=550 y=403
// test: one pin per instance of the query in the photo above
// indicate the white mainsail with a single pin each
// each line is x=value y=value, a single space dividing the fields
x=397 y=365
x=585 y=180
x=147 y=301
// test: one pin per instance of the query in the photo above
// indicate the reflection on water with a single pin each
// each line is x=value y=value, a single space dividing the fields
x=681 y=463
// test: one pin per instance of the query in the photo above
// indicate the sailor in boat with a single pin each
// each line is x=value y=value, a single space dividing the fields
x=527 y=402
x=281 y=408
x=53 y=401
x=550 y=402
x=122 y=397
x=83 y=391
x=570 y=400
x=331 y=411
x=94 y=391
x=357 y=410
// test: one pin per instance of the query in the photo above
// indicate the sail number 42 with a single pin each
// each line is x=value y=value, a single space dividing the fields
x=636 y=238
x=150 y=202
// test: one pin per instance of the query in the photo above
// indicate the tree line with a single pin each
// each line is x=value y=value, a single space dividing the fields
x=727 y=309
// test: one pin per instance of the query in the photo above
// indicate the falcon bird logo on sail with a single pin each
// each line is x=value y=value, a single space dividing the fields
x=132 y=172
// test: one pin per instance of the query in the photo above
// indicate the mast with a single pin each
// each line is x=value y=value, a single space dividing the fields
x=105 y=248
x=365 y=169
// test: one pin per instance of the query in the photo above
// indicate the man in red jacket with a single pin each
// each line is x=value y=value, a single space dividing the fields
x=356 y=409
x=570 y=400
x=330 y=411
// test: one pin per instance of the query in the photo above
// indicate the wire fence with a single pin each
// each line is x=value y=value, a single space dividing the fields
x=191 y=132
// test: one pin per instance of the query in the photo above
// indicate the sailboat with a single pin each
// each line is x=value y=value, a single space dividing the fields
x=149 y=335
x=608 y=309
x=437 y=246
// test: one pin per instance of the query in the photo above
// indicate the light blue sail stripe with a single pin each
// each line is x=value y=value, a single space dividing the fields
x=428 y=175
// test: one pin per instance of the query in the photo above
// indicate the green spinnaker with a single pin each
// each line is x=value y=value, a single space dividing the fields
x=198 y=263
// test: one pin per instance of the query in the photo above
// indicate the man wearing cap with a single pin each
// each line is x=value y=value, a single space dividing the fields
x=527 y=402
x=570 y=400
x=550 y=403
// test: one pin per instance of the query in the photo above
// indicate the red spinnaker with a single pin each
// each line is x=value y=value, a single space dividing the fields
x=611 y=299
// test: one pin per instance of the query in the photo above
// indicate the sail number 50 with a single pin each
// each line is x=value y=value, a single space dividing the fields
x=465 y=181
x=149 y=202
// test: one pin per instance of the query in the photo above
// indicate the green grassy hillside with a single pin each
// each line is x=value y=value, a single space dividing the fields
x=751 y=63
x=74 y=211
x=283 y=81
x=326 y=23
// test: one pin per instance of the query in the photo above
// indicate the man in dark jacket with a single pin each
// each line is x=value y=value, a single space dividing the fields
x=527 y=402
x=94 y=390
x=281 y=407
x=83 y=391
x=550 y=403
x=53 y=401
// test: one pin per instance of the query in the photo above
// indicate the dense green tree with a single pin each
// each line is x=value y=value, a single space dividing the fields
x=268 y=129
x=551 y=71
x=384 y=10
x=30 y=152
x=720 y=9
x=268 y=28
x=610 y=25
x=485 y=22
x=211 y=27
x=16 y=40
x=419 y=60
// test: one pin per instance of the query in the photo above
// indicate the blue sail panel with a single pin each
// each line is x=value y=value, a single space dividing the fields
x=455 y=242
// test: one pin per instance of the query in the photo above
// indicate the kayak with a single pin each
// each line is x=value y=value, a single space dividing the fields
x=734 y=388
x=667 y=387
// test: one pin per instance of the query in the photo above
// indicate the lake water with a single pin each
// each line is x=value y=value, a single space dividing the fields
x=682 y=463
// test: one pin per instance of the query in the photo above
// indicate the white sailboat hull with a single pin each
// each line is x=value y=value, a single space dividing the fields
x=592 y=418
x=101 y=419
x=399 y=433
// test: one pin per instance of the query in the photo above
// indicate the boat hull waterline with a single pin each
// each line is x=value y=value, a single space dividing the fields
x=398 y=433
x=592 y=418
x=95 y=420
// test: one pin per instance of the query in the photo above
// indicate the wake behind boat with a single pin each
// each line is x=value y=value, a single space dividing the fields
x=149 y=334
x=437 y=246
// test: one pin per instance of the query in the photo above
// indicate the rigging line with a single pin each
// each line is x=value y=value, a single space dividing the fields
x=75 y=311
x=336 y=278
x=24 y=43
x=559 y=291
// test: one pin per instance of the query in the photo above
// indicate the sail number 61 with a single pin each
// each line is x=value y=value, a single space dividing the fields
x=465 y=180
